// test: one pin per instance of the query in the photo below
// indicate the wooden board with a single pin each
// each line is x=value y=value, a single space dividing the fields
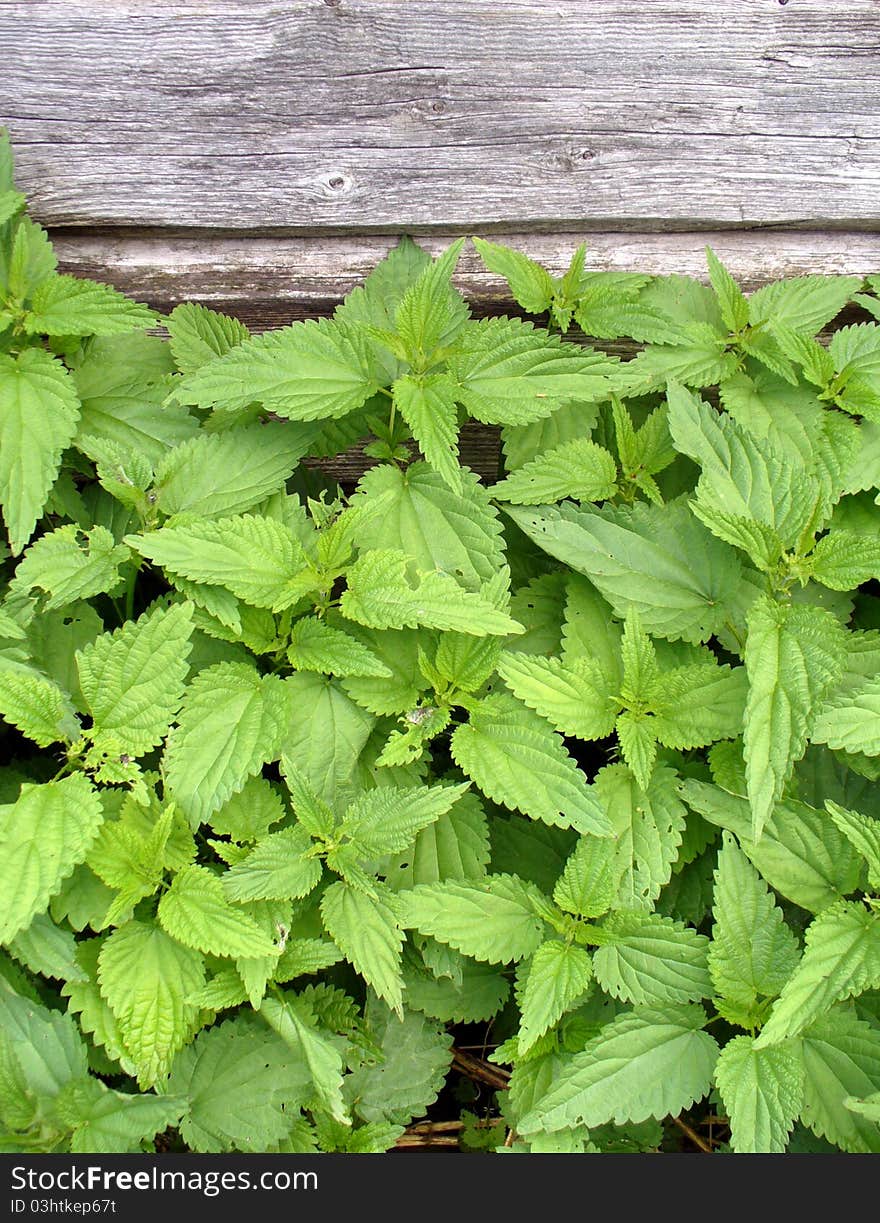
x=361 y=116
x=268 y=282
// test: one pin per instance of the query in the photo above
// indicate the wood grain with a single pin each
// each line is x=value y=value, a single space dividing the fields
x=367 y=116
x=268 y=282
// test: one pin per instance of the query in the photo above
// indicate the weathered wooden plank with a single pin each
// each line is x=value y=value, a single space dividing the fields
x=270 y=281
x=375 y=115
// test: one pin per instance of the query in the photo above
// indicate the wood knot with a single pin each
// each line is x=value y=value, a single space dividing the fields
x=336 y=184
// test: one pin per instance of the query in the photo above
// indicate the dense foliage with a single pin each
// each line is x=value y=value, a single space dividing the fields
x=300 y=784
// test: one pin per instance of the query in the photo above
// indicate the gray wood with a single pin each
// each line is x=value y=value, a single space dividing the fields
x=373 y=115
x=268 y=282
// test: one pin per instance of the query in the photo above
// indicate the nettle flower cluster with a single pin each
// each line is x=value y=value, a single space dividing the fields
x=297 y=780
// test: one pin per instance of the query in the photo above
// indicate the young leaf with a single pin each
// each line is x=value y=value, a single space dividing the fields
x=197 y=335
x=762 y=1091
x=863 y=833
x=575 y=697
x=44 y=834
x=509 y=372
x=195 y=912
x=257 y=558
x=39 y=411
x=133 y=679
x=428 y=406
x=753 y=952
x=367 y=933
x=651 y=960
x=649 y=1063
x=841 y=958
x=557 y=975
x=307 y=371
x=381 y=595
x=388 y=820
x=229 y=726
x=578 y=469
x=531 y=285
x=72 y=305
x=58 y=564
x=492 y=919
x=146 y=978
x=317 y=646
x=793 y=654
x=36 y=706
x=588 y=885
x=518 y=761
x=276 y=869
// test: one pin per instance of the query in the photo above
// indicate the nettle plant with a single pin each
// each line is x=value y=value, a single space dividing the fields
x=300 y=785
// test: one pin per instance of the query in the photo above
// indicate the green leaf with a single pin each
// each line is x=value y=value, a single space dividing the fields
x=381 y=595
x=731 y=302
x=557 y=974
x=146 y=978
x=324 y=735
x=123 y=384
x=39 y=708
x=415 y=1056
x=656 y=559
x=258 y=559
x=793 y=654
x=308 y=371
x=803 y=303
x=753 y=952
x=48 y=949
x=113 y=1121
x=841 y=1057
x=58 y=564
x=519 y=762
x=647 y=827
x=242 y=1087
x=579 y=469
x=296 y=1026
x=456 y=531
x=590 y=880
x=317 y=646
x=195 y=912
x=509 y=372
x=133 y=679
x=455 y=846
x=531 y=285
x=651 y=960
x=841 y=958
x=801 y=854
x=430 y=311
x=217 y=474
x=850 y=719
x=740 y=477
x=863 y=833
x=39 y=410
x=492 y=919
x=649 y=1063
x=47 y=1046
x=574 y=696
x=197 y=335
x=366 y=931
x=276 y=869
x=388 y=820
x=428 y=406
x=43 y=835
x=843 y=560
x=72 y=305
x=229 y=726
x=762 y=1091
